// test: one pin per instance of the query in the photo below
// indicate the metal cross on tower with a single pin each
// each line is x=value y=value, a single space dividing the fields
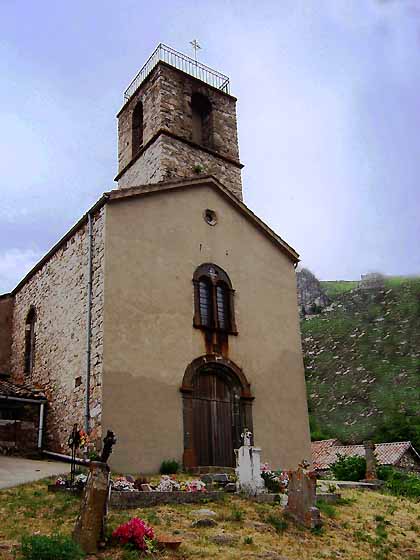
x=195 y=45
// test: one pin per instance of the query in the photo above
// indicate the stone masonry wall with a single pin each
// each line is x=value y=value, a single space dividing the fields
x=58 y=291
x=6 y=314
x=147 y=169
x=149 y=95
x=179 y=160
x=168 y=159
x=409 y=462
x=176 y=89
x=166 y=97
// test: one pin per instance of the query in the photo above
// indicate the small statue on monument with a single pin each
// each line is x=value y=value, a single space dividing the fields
x=109 y=441
x=246 y=437
x=248 y=467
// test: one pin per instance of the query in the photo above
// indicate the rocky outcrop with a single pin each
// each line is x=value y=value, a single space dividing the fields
x=311 y=296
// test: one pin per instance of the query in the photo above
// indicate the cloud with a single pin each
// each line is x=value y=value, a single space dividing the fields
x=14 y=264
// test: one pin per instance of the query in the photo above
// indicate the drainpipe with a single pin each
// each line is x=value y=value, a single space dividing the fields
x=88 y=324
x=41 y=424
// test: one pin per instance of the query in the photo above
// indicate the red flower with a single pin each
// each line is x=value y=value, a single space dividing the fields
x=134 y=532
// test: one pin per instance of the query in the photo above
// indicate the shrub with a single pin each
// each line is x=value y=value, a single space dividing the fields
x=400 y=483
x=94 y=455
x=349 y=468
x=43 y=547
x=198 y=168
x=271 y=481
x=135 y=532
x=170 y=466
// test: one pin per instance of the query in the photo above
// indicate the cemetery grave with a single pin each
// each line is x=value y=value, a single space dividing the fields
x=250 y=522
x=243 y=528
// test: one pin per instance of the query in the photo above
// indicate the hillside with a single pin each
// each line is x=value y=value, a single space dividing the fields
x=362 y=362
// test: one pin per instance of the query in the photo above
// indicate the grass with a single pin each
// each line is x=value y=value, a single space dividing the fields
x=362 y=526
x=326 y=509
x=334 y=287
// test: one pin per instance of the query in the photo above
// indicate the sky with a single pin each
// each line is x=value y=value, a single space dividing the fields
x=328 y=115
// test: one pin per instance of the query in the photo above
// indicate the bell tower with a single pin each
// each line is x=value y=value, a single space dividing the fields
x=178 y=121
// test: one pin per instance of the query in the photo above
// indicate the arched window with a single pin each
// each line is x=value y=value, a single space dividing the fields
x=205 y=299
x=30 y=341
x=201 y=119
x=137 y=128
x=222 y=305
x=213 y=296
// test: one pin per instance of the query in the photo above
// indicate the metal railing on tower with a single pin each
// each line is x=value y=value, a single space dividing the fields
x=181 y=62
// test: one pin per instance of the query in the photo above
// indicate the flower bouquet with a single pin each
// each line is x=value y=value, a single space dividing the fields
x=275 y=481
x=121 y=484
x=193 y=486
x=135 y=532
x=167 y=484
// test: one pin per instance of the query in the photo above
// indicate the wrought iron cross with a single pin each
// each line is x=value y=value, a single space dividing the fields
x=195 y=45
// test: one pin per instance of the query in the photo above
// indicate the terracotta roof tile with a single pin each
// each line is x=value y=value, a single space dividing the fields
x=321 y=451
x=323 y=456
x=24 y=391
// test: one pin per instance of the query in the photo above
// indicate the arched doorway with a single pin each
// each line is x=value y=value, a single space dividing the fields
x=217 y=406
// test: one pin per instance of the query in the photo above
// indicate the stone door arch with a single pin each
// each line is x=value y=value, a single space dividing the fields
x=217 y=405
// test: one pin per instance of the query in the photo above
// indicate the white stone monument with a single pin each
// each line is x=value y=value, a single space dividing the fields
x=248 y=467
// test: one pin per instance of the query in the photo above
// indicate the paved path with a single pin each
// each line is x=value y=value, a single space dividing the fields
x=15 y=471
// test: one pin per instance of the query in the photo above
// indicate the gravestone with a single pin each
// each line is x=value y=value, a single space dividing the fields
x=302 y=498
x=371 y=463
x=89 y=530
x=248 y=467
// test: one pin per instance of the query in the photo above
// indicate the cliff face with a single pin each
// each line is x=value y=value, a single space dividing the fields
x=362 y=361
x=311 y=296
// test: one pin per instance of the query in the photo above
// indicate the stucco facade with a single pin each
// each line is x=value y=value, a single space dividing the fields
x=153 y=245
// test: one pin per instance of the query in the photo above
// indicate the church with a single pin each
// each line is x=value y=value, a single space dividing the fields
x=168 y=313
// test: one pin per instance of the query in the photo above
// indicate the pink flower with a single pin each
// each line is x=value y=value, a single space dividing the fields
x=134 y=532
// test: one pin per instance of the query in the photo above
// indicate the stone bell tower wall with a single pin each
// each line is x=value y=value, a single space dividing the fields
x=169 y=158
x=168 y=150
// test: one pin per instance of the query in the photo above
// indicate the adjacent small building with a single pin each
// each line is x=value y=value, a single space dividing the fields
x=399 y=454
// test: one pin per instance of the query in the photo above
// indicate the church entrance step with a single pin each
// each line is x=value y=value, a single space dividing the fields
x=212 y=470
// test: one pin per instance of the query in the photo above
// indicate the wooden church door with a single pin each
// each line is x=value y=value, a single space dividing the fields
x=213 y=419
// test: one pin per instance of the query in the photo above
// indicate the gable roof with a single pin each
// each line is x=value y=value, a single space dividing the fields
x=321 y=451
x=9 y=390
x=159 y=189
x=212 y=182
x=323 y=456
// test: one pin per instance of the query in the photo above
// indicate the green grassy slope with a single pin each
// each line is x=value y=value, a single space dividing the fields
x=362 y=363
x=334 y=288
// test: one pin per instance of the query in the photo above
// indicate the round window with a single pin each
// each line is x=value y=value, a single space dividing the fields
x=210 y=217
